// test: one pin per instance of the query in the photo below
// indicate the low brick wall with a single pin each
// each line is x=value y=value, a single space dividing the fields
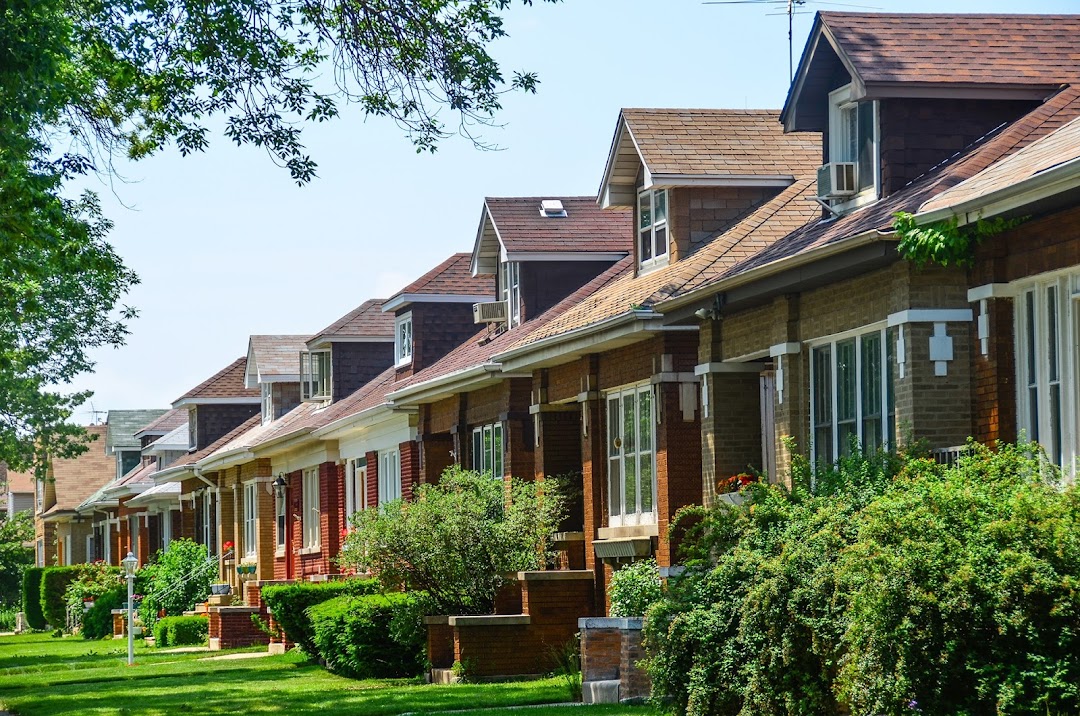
x=232 y=628
x=610 y=651
x=504 y=645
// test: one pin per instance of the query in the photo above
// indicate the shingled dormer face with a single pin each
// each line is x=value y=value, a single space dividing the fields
x=347 y=354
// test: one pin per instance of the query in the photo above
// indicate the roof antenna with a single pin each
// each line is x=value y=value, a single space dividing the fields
x=94 y=415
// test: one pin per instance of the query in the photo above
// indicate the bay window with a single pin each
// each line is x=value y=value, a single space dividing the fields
x=1048 y=328
x=852 y=395
x=310 y=516
x=487 y=453
x=631 y=432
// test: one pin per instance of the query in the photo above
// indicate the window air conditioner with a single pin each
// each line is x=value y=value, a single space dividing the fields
x=836 y=179
x=491 y=312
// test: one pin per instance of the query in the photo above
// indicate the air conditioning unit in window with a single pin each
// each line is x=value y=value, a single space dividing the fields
x=835 y=180
x=491 y=312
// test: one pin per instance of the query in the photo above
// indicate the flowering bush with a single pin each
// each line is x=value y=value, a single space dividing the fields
x=177 y=581
x=736 y=482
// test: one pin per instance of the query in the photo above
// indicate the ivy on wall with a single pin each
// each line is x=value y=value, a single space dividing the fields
x=946 y=243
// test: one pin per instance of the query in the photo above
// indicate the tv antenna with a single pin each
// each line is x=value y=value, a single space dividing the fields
x=95 y=415
x=791 y=8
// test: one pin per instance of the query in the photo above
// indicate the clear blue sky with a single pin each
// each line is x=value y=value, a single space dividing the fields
x=227 y=245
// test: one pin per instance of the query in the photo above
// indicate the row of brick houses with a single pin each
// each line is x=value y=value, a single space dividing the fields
x=735 y=282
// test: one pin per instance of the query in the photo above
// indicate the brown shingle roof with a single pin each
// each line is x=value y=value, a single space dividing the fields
x=276 y=355
x=77 y=478
x=366 y=320
x=193 y=457
x=18 y=482
x=586 y=227
x=226 y=383
x=740 y=142
x=452 y=276
x=959 y=48
x=1056 y=148
x=164 y=425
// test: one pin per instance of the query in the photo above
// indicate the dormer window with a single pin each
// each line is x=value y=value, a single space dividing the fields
x=315 y=375
x=403 y=340
x=267 y=403
x=510 y=291
x=652 y=228
x=853 y=138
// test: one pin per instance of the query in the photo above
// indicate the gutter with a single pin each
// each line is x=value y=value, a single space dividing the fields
x=1042 y=185
x=613 y=322
x=458 y=377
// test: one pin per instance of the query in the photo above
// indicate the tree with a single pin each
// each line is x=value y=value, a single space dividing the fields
x=82 y=81
x=15 y=534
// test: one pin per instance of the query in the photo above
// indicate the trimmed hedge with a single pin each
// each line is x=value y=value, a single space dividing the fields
x=355 y=638
x=289 y=604
x=181 y=631
x=31 y=597
x=97 y=621
x=54 y=584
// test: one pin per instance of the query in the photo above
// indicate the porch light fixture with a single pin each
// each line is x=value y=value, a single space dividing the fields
x=279 y=487
x=131 y=563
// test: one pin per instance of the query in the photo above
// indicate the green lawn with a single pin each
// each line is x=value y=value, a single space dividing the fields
x=43 y=675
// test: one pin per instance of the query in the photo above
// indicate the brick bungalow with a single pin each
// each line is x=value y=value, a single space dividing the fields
x=16 y=491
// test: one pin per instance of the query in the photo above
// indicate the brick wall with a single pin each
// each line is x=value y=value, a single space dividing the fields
x=355 y=364
x=409 y=453
x=918 y=134
x=372 y=478
x=437 y=455
x=232 y=628
x=438 y=328
x=545 y=283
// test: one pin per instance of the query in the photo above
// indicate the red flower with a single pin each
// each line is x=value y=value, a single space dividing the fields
x=228 y=545
x=344 y=531
x=737 y=482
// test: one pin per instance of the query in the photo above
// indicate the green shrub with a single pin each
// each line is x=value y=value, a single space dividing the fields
x=15 y=556
x=181 y=631
x=97 y=621
x=7 y=618
x=91 y=581
x=458 y=539
x=176 y=581
x=353 y=637
x=31 y=597
x=892 y=586
x=634 y=588
x=54 y=584
x=289 y=603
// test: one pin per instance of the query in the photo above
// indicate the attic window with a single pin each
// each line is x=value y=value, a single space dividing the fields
x=552 y=209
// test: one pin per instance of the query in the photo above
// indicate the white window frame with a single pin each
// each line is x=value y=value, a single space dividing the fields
x=619 y=513
x=510 y=291
x=403 y=339
x=106 y=549
x=389 y=476
x=267 y=402
x=654 y=226
x=251 y=515
x=310 y=517
x=355 y=492
x=489 y=449
x=1036 y=378
x=280 y=516
x=887 y=407
x=166 y=528
x=840 y=102
x=315 y=372
x=67 y=550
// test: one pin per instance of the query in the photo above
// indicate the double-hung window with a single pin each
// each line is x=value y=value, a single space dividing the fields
x=631 y=429
x=487 y=453
x=510 y=291
x=251 y=506
x=310 y=516
x=315 y=375
x=279 y=519
x=652 y=228
x=267 y=403
x=389 y=476
x=1048 y=328
x=852 y=394
x=355 y=479
x=403 y=340
x=853 y=137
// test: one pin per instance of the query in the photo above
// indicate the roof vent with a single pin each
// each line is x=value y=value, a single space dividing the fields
x=552 y=208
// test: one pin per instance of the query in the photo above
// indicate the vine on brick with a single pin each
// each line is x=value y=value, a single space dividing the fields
x=946 y=243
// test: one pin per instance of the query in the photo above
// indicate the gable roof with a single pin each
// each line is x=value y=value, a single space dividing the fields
x=946 y=55
x=123 y=426
x=719 y=147
x=452 y=281
x=272 y=359
x=175 y=440
x=16 y=482
x=164 y=425
x=225 y=386
x=367 y=322
x=176 y=469
x=515 y=229
x=75 y=479
x=874 y=221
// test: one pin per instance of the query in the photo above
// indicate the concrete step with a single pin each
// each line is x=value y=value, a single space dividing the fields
x=600 y=692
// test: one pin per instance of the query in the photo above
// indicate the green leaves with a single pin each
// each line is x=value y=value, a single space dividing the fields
x=945 y=242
